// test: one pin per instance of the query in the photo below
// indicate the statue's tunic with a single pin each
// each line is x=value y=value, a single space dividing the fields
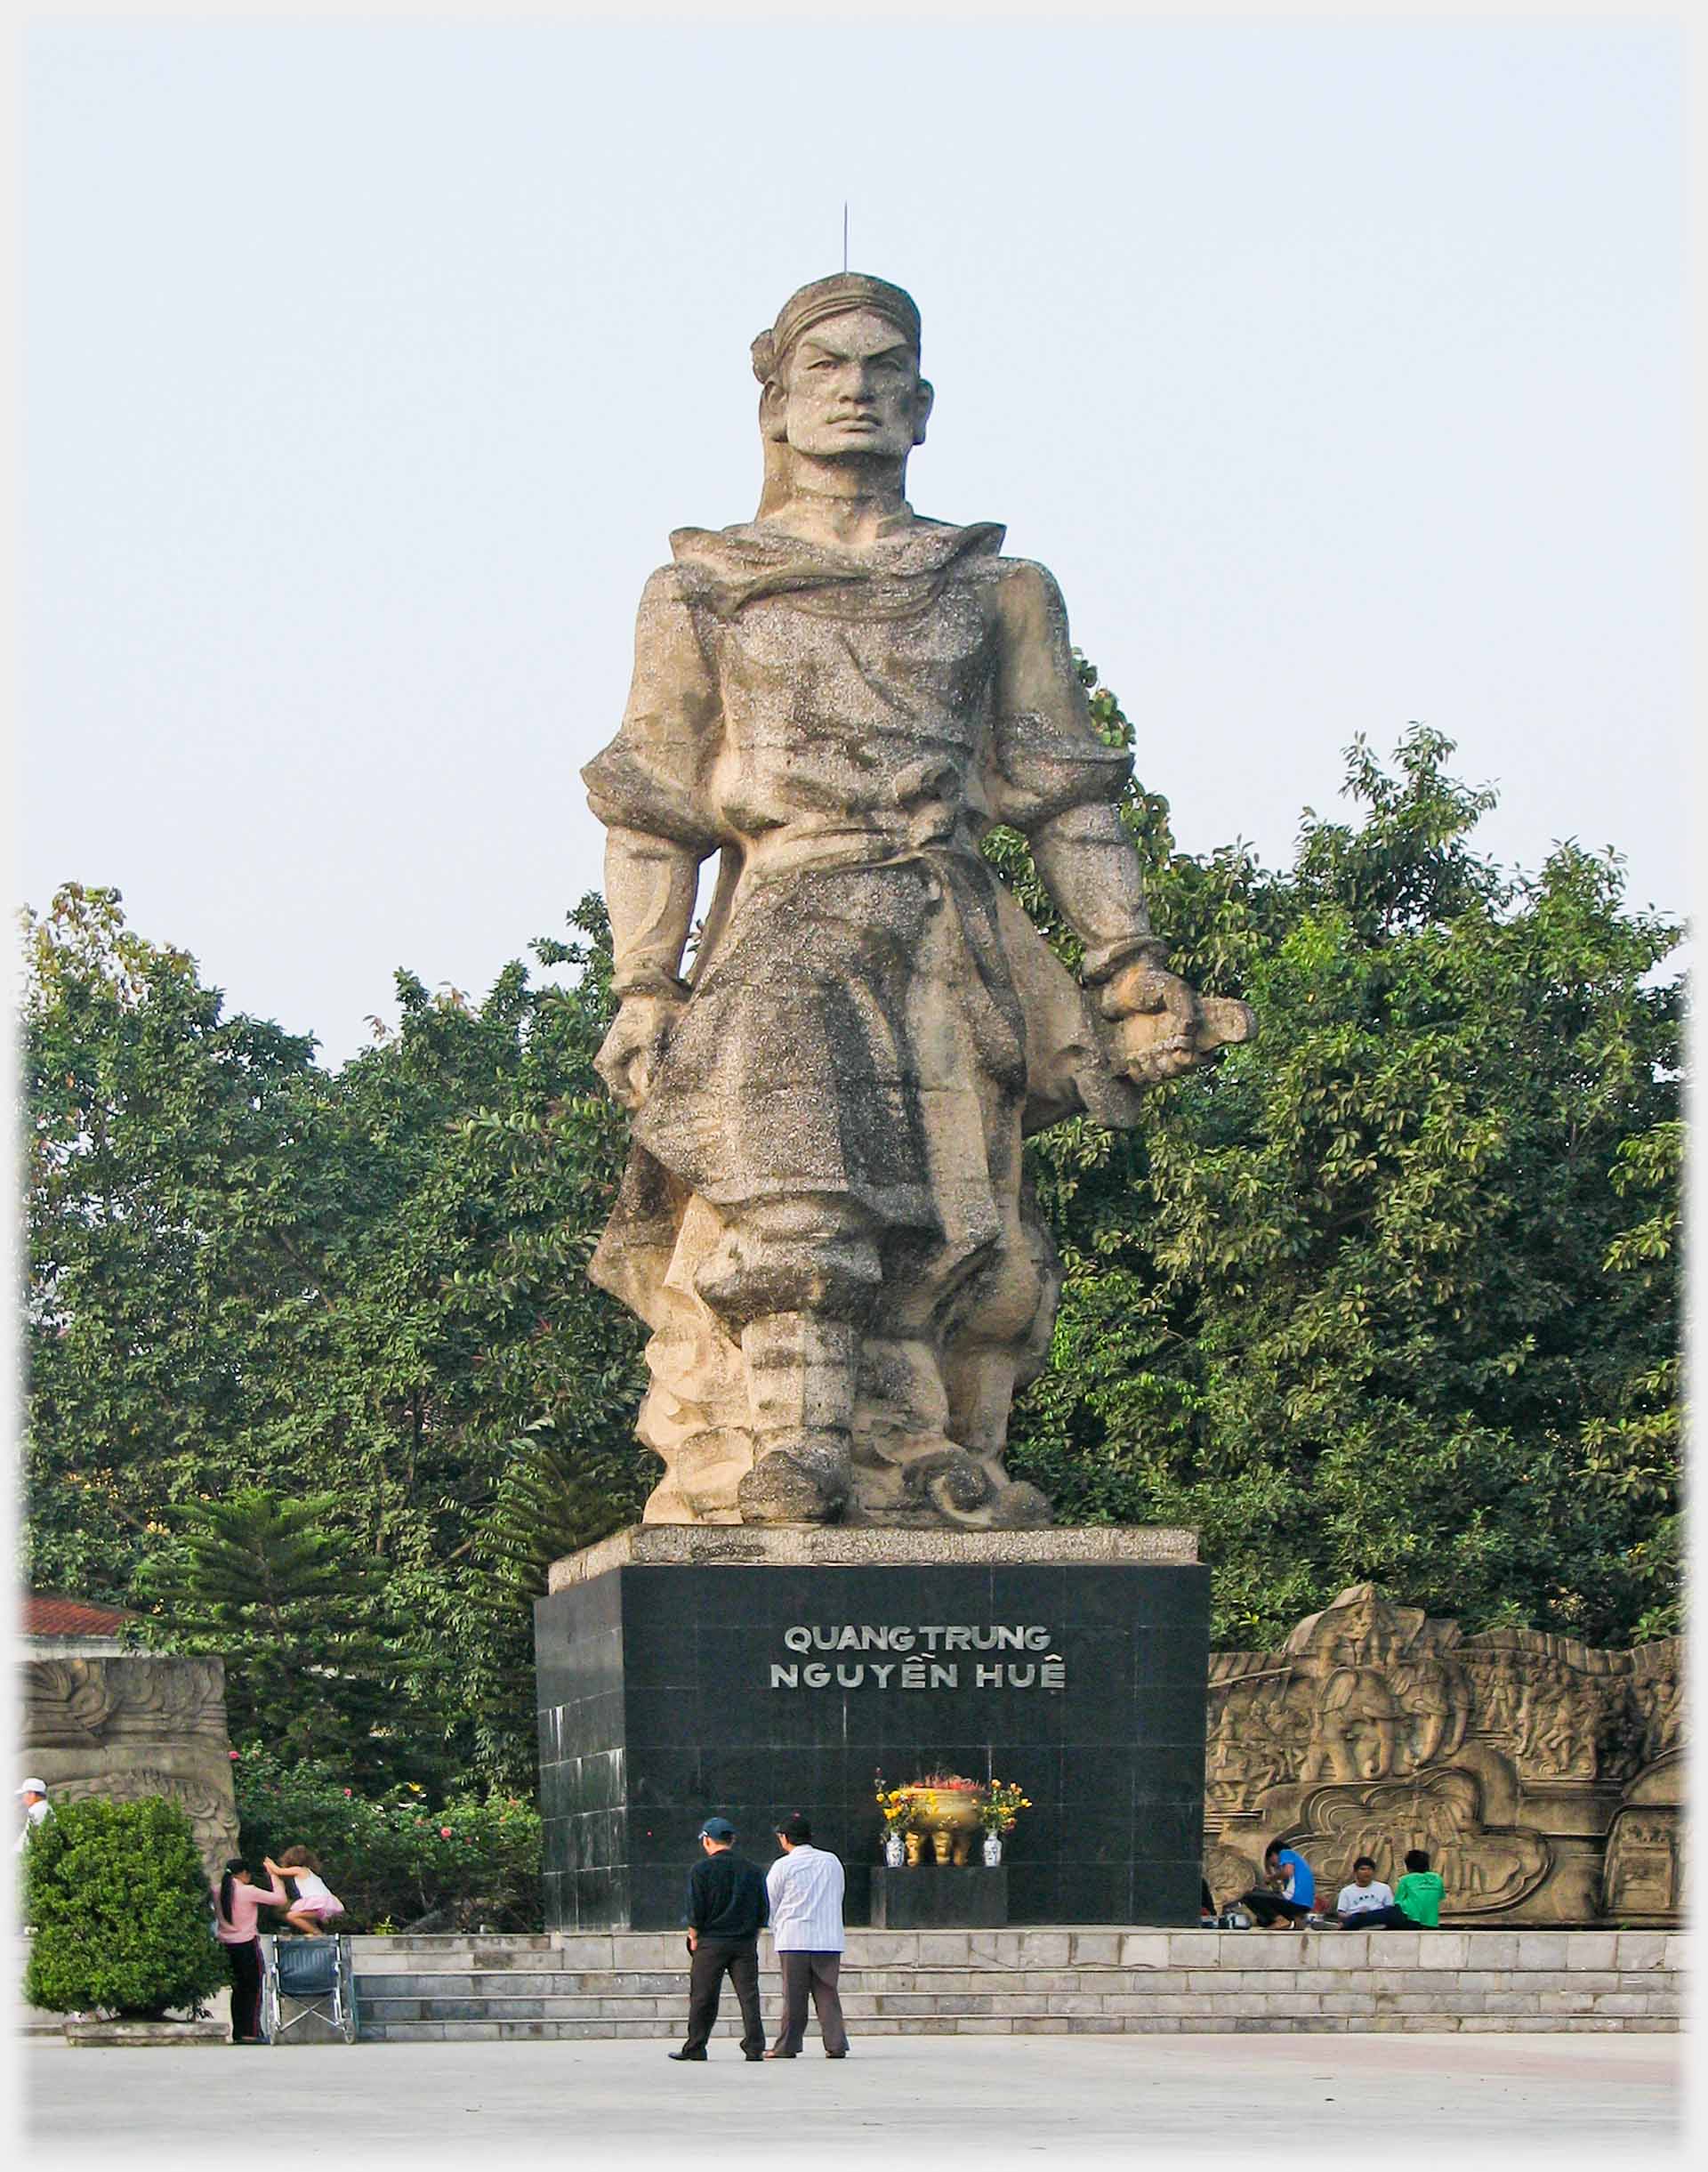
x=873 y=1022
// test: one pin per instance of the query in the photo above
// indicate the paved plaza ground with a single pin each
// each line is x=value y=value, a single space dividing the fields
x=1382 y=2101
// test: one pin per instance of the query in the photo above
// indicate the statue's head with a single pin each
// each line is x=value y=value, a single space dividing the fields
x=839 y=376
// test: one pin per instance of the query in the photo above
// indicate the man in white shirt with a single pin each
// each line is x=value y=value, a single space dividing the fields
x=37 y=1810
x=805 y=1884
x=1367 y=1892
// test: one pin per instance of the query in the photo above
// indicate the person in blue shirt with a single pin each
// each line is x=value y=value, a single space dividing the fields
x=1288 y=1893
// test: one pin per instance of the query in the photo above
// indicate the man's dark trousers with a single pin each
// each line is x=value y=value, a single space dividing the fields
x=817 y=1972
x=713 y=1956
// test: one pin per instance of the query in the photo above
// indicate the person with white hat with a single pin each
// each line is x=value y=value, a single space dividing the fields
x=37 y=1809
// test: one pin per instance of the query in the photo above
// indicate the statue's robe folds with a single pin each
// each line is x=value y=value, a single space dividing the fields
x=874 y=1024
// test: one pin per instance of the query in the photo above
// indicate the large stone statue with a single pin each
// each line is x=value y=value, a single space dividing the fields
x=824 y=1221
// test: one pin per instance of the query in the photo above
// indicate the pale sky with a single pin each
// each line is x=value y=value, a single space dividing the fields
x=1336 y=369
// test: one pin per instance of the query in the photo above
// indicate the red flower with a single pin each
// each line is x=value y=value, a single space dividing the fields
x=233 y=1754
x=346 y=1791
x=444 y=1832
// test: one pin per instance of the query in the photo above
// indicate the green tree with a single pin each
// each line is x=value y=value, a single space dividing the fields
x=365 y=1287
x=123 y=1917
x=1354 y=1300
x=545 y=1507
x=266 y=1582
x=173 y=1210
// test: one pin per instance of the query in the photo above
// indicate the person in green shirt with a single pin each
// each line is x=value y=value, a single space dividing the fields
x=1417 y=1899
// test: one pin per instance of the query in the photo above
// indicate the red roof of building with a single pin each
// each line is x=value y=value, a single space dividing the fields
x=47 y=1615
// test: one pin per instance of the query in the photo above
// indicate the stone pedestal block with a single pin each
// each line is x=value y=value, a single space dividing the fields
x=688 y=1670
x=933 y=1898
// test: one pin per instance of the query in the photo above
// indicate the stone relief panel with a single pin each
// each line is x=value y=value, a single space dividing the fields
x=69 y=1702
x=131 y=1725
x=1515 y=1739
x=1486 y=1869
x=1645 y=1872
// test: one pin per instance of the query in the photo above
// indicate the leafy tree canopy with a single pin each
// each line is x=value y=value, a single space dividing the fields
x=1360 y=1300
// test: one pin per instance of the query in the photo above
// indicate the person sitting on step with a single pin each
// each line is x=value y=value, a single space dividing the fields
x=1417 y=1899
x=1288 y=1891
x=1361 y=1896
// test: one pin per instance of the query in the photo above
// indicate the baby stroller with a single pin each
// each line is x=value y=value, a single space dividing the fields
x=313 y=1978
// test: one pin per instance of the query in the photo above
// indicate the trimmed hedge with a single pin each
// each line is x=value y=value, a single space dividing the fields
x=123 y=1919
x=398 y=1859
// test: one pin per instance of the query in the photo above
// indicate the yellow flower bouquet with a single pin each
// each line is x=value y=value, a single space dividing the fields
x=1000 y=1805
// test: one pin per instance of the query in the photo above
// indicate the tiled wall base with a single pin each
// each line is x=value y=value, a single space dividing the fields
x=1043 y=1982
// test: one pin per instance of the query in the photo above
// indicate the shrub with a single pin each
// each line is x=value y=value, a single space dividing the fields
x=399 y=1858
x=123 y=1915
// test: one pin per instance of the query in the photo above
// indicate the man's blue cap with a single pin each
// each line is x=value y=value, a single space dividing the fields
x=717 y=1829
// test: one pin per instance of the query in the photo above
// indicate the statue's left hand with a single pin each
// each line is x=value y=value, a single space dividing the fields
x=1160 y=1027
x=1157 y=1021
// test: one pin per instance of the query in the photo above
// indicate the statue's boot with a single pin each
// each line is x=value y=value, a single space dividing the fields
x=801 y=1372
x=802 y=1479
x=968 y=1492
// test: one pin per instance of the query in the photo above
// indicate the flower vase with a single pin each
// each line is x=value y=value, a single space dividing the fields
x=993 y=1850
x=895 y=1851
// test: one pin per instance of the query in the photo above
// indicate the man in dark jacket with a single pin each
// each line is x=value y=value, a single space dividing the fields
x=727 y=1907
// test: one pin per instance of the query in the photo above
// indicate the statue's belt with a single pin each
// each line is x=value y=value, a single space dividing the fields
x=932 y=835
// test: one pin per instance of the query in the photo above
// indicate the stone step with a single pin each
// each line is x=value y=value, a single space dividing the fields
x=396 y=2006
x=589 y=1985
x=1055 y=1948
x=936 y=1984
x=1099 y=2024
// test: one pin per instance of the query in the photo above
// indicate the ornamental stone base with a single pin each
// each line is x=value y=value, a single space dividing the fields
x=747 y=1672
x=933 y=1898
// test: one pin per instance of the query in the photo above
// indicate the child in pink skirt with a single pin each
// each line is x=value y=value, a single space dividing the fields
x=314 y=1904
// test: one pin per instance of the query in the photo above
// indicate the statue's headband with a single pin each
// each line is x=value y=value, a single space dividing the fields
x=833 y=297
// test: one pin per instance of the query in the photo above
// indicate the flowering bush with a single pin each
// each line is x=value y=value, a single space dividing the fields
x=394 y=1858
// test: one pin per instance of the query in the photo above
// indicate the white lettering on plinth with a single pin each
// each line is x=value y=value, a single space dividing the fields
x=1048 y=1672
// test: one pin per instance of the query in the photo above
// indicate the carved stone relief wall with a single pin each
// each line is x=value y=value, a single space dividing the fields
x=1544 y=1777
x=131 y=1725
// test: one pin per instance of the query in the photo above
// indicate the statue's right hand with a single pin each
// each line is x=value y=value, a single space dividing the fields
x=631 y=1052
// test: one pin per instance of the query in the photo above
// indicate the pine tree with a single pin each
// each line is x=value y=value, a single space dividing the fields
x=268 y=1583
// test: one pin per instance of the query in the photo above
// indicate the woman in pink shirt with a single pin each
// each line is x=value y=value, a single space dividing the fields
x=235 y=1920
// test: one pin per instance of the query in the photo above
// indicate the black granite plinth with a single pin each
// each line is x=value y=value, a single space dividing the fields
x=935 y=1898
x=668 y=1692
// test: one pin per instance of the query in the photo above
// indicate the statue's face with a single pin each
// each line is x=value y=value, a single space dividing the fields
x=851 y=387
